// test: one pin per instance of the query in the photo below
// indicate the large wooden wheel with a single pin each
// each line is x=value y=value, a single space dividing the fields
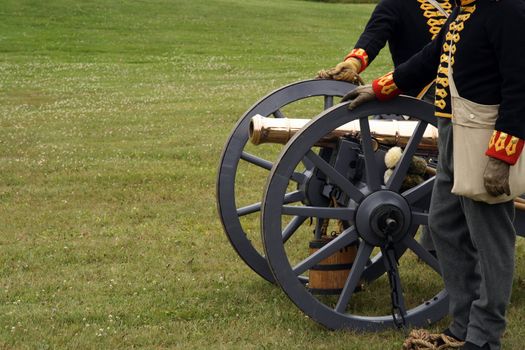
x=383 y=222
x=241 y=221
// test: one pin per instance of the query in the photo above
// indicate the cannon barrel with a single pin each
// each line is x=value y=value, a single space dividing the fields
x=385 y=132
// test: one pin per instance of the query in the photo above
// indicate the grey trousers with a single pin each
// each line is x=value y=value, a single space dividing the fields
x=426 y=239
x=475 y=247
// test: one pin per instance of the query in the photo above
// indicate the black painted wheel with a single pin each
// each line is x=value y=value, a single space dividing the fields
x=238 y=200
x=383 y=218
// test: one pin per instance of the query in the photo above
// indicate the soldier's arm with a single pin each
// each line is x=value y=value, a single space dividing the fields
x=505 y=29
x=415 y=73
x=380 y=28
x=421 y=68
x=378 y=31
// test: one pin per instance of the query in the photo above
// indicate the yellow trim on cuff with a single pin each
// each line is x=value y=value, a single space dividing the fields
x=443 y=115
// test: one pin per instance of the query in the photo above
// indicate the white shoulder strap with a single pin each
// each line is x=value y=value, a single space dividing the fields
x=438 y=7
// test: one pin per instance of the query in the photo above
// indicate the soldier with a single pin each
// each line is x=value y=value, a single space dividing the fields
x=407 y=26
x=480 y=63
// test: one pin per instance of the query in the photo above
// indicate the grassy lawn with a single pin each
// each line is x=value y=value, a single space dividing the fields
x=112 y=119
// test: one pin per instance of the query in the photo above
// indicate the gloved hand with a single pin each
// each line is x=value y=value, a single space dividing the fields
x=360 y=95
x=496 y=177
x=346 y=71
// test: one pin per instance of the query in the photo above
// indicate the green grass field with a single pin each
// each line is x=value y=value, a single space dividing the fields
x=113 y=115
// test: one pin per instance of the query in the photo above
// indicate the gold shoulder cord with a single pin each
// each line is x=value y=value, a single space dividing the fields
x=437 y=14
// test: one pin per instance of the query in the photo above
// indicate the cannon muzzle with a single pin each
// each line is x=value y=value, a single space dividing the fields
x=385 y=132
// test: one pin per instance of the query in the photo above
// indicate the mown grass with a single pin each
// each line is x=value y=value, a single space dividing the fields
x=112 y=119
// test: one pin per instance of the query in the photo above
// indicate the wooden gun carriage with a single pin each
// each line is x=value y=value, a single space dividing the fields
x=323 y=180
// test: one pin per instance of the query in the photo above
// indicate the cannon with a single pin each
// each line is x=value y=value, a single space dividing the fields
x=329 y=173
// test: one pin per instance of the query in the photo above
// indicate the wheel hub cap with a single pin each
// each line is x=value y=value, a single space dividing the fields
x=383 y=214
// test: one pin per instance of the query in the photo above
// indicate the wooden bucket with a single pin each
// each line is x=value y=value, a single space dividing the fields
x=329 y=276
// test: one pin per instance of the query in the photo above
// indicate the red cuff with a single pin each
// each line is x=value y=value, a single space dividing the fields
x=505 y=147
x=361 y=55
x=385 y=88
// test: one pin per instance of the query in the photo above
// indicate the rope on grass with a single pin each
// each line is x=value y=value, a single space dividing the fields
x=421 y=339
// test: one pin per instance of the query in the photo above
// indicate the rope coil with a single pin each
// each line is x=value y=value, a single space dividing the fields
x=421 y=339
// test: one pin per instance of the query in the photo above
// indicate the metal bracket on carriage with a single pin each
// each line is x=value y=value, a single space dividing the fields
x=348 y=163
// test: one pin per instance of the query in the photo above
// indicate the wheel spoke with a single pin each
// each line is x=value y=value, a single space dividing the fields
x=319 y=212
x=372 y=171
x=328 y=102
x=265 y=164
x=249 y=209
x=396 y=180
x=335 y=177
x=307 y=163
x=292 y=227
x=422 y=253
x=363 y=253
x=295 y=196
x=346 y=237
x=278 y=114
x=419 y=218
x=291 y=197
x=420 y=191
x=250 y=158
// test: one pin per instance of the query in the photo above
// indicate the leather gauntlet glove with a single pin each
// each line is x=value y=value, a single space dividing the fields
x=496 y=177
x=346 y=71
x=360 y=95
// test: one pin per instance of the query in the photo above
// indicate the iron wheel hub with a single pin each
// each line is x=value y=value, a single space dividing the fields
x=383 y=214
